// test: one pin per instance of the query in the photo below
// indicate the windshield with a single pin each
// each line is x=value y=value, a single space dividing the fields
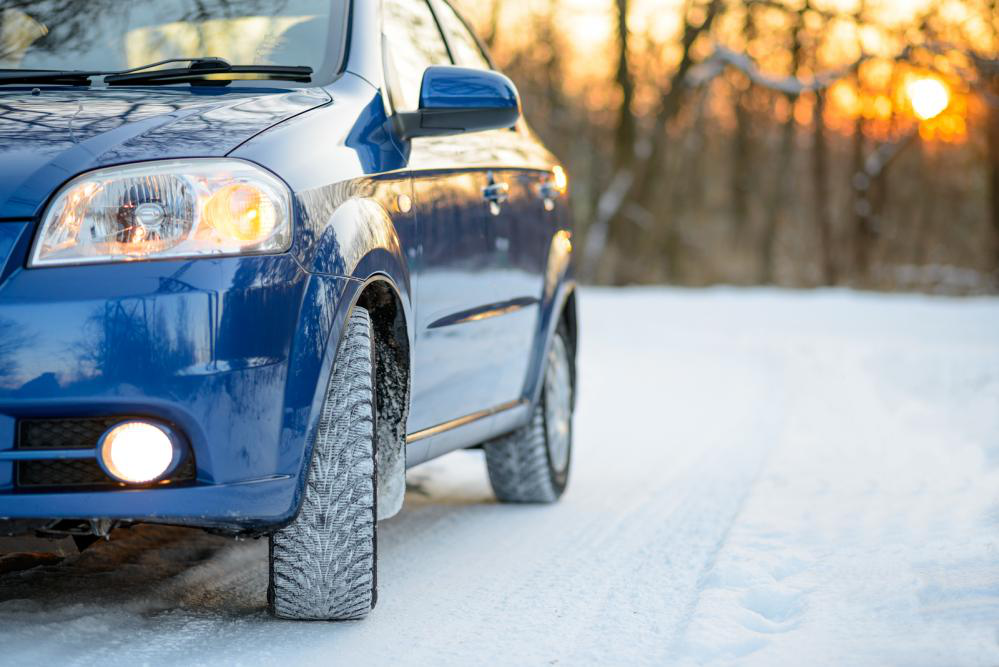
x=111 y=35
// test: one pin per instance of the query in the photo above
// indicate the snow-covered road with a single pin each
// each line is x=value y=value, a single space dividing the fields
x=761 y=477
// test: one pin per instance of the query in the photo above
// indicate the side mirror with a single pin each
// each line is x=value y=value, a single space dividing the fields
x=456 y=100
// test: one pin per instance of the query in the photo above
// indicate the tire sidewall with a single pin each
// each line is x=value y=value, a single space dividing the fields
x=559 y=480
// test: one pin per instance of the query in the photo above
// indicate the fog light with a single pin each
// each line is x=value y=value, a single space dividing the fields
x=138 y=452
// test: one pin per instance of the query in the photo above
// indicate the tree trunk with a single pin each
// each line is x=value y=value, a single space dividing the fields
x=641 y=182
x=993 y=153
x=596 y=264
x=863 y=229
x=741 y=169
x=650 y=175
x=784 y=172
x=778 y=199
x=492 y=29
x=993 y=143
x=624 y=134
x=820 y=176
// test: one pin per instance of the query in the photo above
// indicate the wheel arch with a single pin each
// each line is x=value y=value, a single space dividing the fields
x=569 y=318
x=393 y=387
x=561 y=311
x=329 y=305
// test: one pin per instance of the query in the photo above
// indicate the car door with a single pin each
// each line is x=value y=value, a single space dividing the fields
x=519 y=226
x=453 y=376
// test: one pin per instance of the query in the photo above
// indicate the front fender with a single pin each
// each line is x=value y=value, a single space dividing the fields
x=351 y=242
x=357 y=231
x=343 y=225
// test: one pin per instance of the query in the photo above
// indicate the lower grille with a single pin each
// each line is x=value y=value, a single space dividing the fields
x=82 y=473
x=63 y=433
x=78 y=474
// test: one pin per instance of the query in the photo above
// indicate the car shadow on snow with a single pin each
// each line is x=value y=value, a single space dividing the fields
x=149 y=570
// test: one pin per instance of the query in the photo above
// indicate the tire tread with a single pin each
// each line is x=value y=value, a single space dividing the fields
x=518 y=464
x=323 y=563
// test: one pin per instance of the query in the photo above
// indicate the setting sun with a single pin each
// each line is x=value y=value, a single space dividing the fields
x=929 y=97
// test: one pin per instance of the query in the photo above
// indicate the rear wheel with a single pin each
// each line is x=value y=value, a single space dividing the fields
x=322 y=565
x=531 y=465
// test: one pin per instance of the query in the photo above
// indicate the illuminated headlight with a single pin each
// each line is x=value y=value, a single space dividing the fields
x=139 y=452
x=168 y=209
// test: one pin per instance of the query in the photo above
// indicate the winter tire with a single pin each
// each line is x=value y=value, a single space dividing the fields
x=531 y=465
x=322 y=565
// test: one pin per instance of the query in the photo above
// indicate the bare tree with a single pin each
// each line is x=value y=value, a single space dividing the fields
x=625 y=131
x=993 y=157
x=989 y=69
x=742 y=151
x=777 y=204
x=634 y=184
x=492 y=26
x=693 y=180
x=820 y=179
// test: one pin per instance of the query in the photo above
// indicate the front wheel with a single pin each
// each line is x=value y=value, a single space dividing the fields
x=322 y=565
x=531 y=465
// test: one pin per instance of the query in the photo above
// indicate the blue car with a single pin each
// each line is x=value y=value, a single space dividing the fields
x=260 y=257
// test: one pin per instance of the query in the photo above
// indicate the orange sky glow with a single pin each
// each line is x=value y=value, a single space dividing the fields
x=655 y=24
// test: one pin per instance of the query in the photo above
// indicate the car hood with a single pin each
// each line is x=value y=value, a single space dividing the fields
x=49 y=138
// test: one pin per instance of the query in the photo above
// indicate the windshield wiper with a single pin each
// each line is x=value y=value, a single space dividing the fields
x=54 y=77
x=199 y=68
x=194 y=73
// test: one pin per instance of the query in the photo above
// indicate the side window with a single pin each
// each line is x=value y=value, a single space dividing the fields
x=412 y=43
x=467 y=52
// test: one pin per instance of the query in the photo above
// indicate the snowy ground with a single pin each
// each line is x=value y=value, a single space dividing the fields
x=761 y=478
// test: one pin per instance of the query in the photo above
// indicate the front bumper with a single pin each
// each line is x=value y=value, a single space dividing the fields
x=228 y=350
x=248 y=506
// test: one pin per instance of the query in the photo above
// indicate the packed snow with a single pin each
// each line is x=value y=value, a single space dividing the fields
x=760 y=477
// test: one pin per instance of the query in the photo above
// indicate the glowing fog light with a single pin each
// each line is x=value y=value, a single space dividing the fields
x=138 y=452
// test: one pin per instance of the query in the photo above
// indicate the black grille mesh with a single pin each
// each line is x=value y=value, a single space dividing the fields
x=80 y=473
x=42 y=434
x=63 y=433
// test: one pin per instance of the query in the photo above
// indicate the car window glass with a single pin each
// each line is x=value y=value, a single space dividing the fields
x=412 y=44
x=467 y=52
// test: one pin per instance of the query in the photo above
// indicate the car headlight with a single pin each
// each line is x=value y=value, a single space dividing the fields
x=167 y=209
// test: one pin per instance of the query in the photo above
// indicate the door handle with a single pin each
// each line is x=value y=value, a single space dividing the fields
x=497 y=193
x=549 y=195
x=549 y=191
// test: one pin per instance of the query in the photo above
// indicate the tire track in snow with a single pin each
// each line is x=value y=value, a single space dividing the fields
x=667 y=524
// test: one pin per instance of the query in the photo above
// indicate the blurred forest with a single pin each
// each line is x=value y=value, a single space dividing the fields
x=789 y=142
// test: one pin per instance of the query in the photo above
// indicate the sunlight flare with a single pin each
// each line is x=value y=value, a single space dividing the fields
x=929 y=97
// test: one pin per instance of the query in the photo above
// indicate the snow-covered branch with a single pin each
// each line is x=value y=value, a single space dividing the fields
x=723 y=58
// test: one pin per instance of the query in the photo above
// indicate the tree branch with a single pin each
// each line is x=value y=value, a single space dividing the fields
x=724 y=57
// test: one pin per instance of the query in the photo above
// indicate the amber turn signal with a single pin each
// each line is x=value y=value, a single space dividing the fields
x=241 y=212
